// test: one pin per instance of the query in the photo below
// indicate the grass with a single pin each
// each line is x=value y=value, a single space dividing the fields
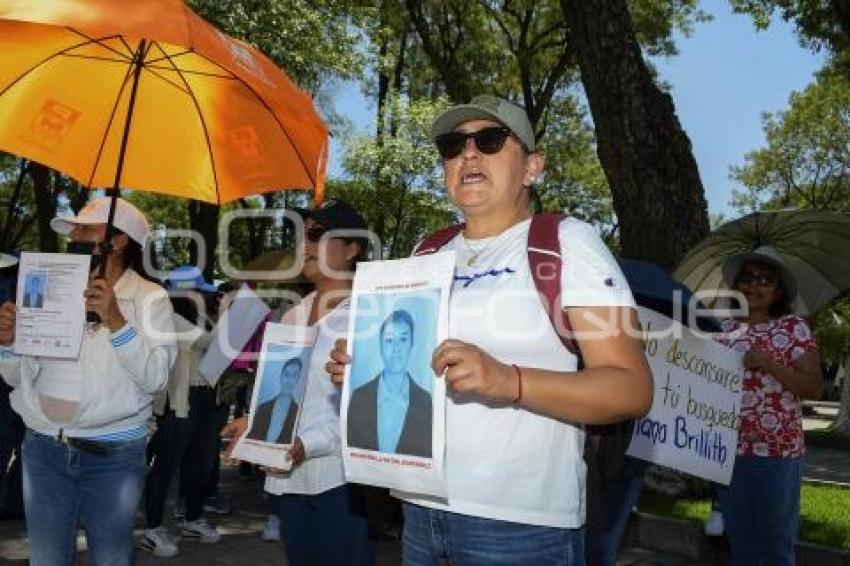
x=824 y=513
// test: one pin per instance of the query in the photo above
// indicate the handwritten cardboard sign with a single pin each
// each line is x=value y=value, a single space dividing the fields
x=693 y=423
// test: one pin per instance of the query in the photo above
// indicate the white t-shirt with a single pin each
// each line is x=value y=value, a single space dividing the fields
x=505 y=462
x=318 y=425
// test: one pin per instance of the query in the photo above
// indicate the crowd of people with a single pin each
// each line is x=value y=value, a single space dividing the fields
x=521 y=389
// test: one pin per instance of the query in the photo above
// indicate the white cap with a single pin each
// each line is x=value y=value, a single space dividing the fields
x=7 y=260
x=127 y=218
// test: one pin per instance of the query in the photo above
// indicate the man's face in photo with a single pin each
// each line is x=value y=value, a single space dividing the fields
x=396 y=344
x=288 y=377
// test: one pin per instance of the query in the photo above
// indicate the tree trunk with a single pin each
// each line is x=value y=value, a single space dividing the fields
x=45 y=204
x=647 y=158
x=6 y=240
x=203 y=219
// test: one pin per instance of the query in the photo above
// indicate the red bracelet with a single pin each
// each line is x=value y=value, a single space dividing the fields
x=519 y=384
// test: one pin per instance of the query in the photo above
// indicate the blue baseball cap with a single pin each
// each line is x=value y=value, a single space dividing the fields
x=189 y=278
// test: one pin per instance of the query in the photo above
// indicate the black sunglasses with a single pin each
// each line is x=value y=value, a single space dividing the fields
x=488 y=141
x=760 y=279
x=315 y=232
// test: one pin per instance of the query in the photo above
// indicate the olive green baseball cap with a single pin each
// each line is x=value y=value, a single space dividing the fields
x=487 y=107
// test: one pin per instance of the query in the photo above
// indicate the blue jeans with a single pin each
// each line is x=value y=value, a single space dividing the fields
x=432 y=535
x=63 y=485
x=761 y=510
x=327 y=529
x=603 y=539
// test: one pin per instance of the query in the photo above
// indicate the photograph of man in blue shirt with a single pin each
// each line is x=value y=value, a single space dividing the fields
x=274 y=420
x=391 y=413
x=34 y=291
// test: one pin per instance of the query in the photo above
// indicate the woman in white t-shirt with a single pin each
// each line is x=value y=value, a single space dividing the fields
x=322 y=518
x=514 y=438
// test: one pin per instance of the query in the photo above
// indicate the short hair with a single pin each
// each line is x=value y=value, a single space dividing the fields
x=399 y=315
x=295 y=360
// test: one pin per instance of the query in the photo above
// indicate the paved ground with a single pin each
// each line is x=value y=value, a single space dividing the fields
x=242 y=545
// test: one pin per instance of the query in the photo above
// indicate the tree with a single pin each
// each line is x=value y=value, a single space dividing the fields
x=32 y=195
x=407 y=202
x=522 y=50
x=807 y=159
x=647 y=157
x=573 y=179
x=820 y=23
x=311 y=40
x=832 y=328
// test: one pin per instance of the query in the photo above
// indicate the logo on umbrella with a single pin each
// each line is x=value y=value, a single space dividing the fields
x=52 y=123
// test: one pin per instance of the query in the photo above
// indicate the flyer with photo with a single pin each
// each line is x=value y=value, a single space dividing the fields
x=393 y=405
x=51 y=309
x=278 y=396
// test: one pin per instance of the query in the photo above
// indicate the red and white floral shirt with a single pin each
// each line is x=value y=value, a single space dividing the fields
x=771 y=415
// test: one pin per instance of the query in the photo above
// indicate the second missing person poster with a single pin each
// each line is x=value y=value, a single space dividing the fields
x=278 y=396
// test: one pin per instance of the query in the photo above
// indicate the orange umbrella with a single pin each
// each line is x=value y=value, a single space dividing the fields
x=147 y=95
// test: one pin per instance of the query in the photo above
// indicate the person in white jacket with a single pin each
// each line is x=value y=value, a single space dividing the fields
x=87 y=418
x=322 y=518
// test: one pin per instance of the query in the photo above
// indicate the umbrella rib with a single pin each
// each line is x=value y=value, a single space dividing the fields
x=109 y=123
x=100 y=41
x=94 y=58
x=164 y=57
x=189 y=72
x=42 y=62
x=200 y=116
x=166 y=79
x=269 y=110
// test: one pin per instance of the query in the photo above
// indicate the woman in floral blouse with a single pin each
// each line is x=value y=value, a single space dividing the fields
x=761 y=507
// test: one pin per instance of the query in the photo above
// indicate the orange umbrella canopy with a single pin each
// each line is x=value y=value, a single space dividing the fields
x=146 y=95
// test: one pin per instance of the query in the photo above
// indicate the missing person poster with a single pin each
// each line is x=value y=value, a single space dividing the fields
x=393 y=405
x=278 y=396
x=51 y=311
x=693 y=423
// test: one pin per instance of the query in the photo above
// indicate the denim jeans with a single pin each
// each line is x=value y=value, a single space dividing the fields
x=199 y=469
x=326 y=529
x=63 y=485
x=603 y=538
x=761 y=510
x=432 y=535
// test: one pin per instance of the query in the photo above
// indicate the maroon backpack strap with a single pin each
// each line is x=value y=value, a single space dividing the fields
x=544 y=258
x=436 y=240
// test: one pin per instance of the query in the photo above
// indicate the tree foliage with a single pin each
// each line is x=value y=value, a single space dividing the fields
x=310 y=39
x=820 y=23
x=518 y=49
x=806 y=162
x=395 y=176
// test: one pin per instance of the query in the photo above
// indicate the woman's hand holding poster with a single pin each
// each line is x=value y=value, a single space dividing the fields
x=393 y=406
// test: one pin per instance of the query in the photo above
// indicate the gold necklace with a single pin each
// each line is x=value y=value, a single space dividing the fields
x=473 y=260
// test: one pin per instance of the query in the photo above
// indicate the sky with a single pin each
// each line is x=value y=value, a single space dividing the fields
x=726 y=74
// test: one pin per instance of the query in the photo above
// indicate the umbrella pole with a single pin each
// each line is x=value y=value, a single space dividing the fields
x=106 y=246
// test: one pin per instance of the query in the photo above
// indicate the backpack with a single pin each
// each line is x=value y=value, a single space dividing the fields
x=605 y=445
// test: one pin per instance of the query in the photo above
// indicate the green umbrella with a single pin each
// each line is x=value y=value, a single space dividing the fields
x=814 y=245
